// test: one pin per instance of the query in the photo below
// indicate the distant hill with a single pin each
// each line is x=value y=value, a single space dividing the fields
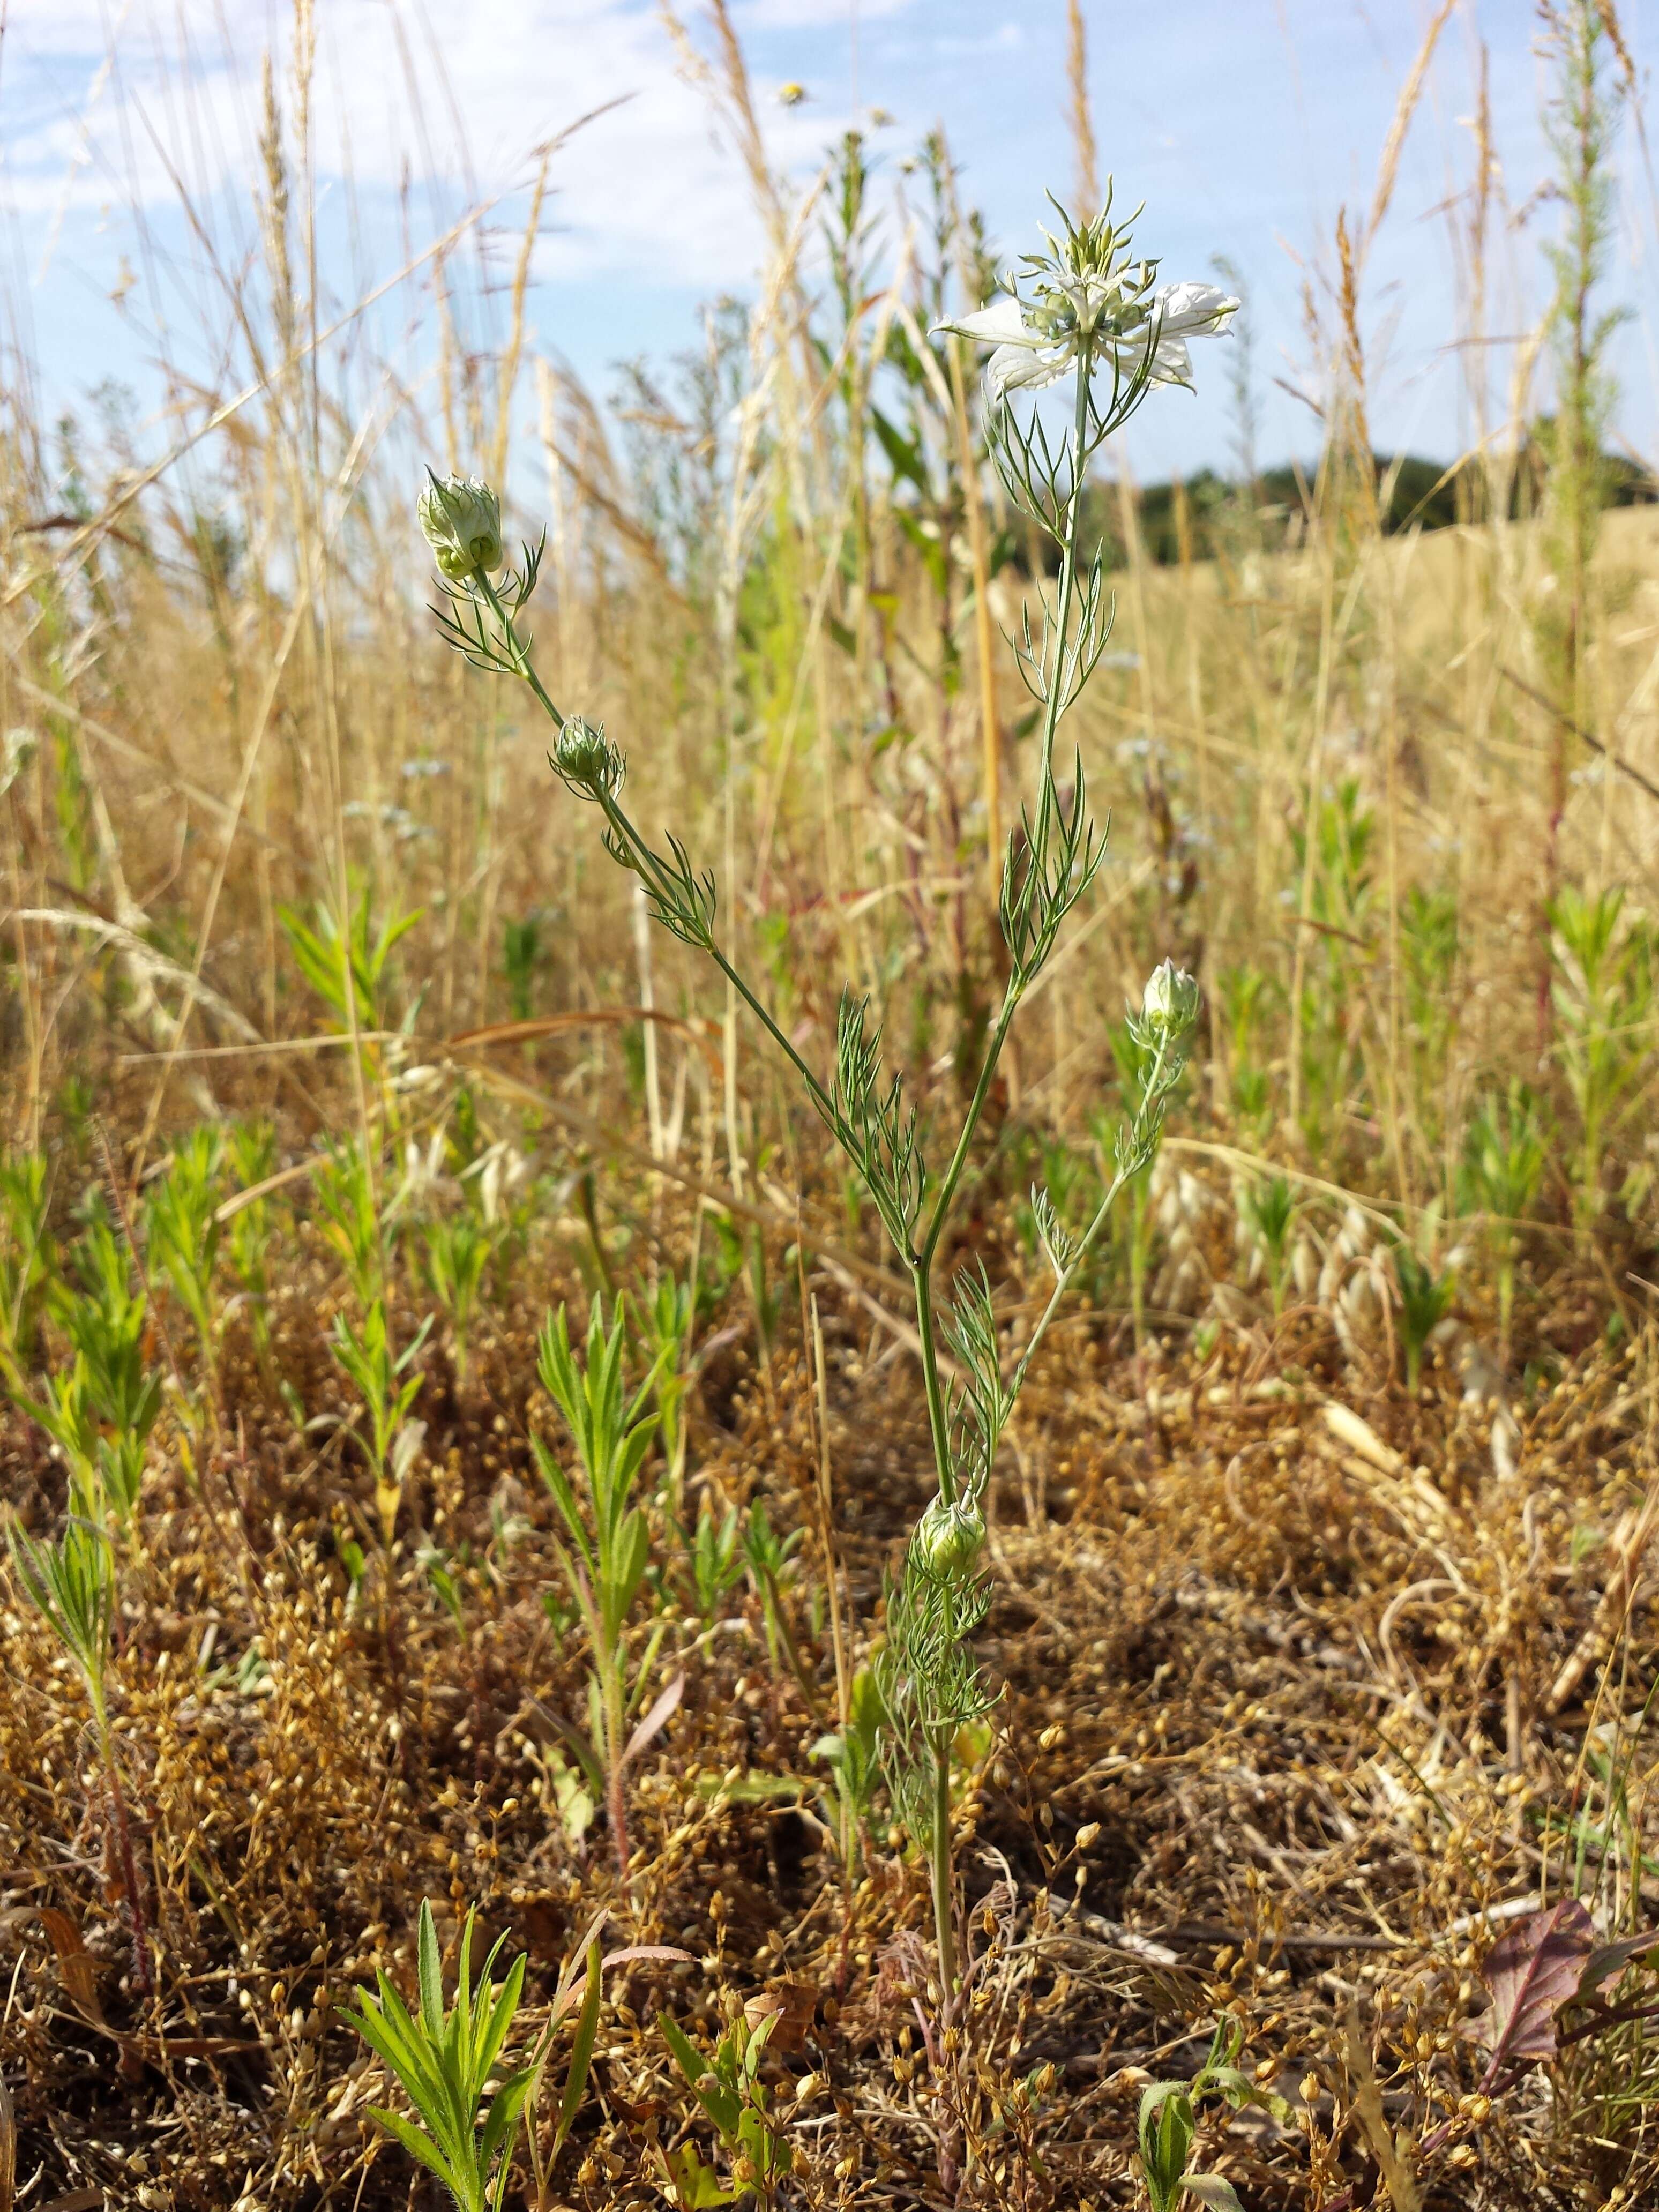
x=1223 y=515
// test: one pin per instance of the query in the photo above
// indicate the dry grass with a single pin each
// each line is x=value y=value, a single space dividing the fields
x=1290 y=1679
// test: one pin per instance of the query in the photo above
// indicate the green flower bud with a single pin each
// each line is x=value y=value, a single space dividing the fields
x=586 y=760
x=1170 y=1003
x=948 y=1539
x=461 y=518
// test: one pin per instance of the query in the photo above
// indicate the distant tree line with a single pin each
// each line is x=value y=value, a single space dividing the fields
x=1223 y=515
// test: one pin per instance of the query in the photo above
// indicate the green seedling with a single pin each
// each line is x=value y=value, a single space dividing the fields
x=521 y=955
x=1268 y=1209
x=183 y=1236
x=1243 y=993
x=251 y=1150
x=771 y=1563
x=387 y=1389
x=440 y=1571
x=671 y=1314
x=1503 y=1168
x=608 y=1547
x=444 y=2057
x=727 y=2085
x=26 y=1255
x=1169 y=2120
x=1603 y=1001
x=351 y=1219
x=1425 y=1298
x=853 y=1755
x=716 y=1560
x=457 y=1251
x=348 y=970
x=71 y=1582
x=99 y=1409
x=448 y=2060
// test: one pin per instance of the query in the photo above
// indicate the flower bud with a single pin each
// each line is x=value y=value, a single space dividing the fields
x=948 y=1539
x=585 y=759
x=461 y=518
x=1170 y=1002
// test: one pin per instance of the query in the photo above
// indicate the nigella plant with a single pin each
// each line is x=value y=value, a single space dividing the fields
x=1090 y=309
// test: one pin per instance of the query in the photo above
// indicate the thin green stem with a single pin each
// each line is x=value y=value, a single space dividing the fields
x=648 y=862
x=921 y=1264
x=1055 y=705
x=1063 y=1282
x=938 y=1428
x=939 y=1866
x=521 y=659
x=947 y=1189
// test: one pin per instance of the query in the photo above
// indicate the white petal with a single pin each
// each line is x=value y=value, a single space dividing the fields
x=1019 y=368
x=1189 y=310
x=1171 y=362
x=1000 y=323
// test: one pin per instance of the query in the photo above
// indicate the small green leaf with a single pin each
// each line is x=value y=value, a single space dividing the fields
x=720 y=2105
x=1211 y=2188
x=581 y=2050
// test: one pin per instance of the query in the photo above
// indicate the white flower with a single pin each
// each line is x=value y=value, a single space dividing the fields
x=1038 y=343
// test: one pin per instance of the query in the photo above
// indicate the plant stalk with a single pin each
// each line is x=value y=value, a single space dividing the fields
x=142 y=1966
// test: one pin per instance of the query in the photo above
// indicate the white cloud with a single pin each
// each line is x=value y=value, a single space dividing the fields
x=645 y=189
x=1003 y=39
x=816 y=15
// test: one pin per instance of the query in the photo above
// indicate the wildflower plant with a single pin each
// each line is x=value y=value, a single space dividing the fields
x=445 y=2057
x=252 y=1150
x=608 y=1547
x=184 y=1233
x=72 y=1581
x=1091 y=307
x=26 y=1256
x=727 y=2085
x=1504 y=1157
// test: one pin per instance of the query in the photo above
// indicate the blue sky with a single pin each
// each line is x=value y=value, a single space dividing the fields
x=1244 y=124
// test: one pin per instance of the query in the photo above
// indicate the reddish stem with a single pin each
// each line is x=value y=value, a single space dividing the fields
x=141 y=1959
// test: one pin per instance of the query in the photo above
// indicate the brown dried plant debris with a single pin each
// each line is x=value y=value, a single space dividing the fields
x=1276 y=1737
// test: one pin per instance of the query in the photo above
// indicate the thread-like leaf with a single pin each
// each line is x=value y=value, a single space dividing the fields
x=581 y=2050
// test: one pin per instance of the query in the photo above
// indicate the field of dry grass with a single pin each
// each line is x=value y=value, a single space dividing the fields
x=1322 y=1627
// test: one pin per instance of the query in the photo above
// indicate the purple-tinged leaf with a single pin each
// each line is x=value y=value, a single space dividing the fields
x=1531 y=1973
x=1608 y=1961
x=655 y=1720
